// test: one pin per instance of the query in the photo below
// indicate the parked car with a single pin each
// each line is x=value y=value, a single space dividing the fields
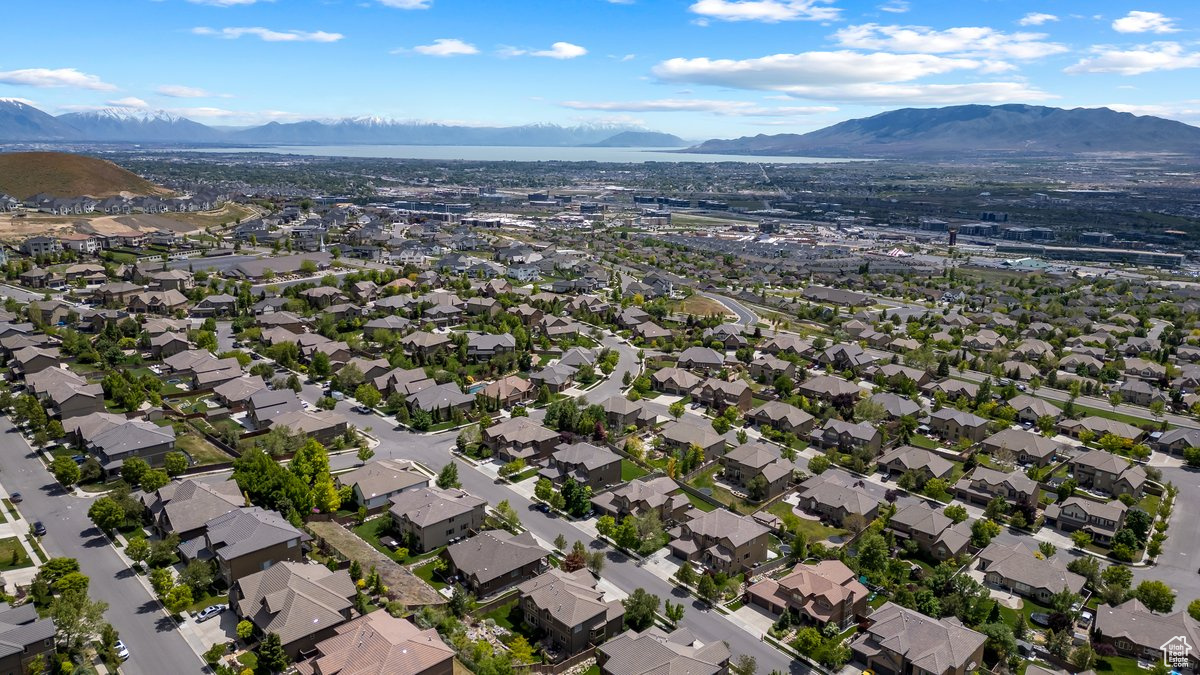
x=122 y=650
x=209 y=612
x=16 y=498
x=39 y=529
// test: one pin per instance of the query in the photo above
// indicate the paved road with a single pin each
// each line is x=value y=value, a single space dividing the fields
x=745 y=315
x=149 y=633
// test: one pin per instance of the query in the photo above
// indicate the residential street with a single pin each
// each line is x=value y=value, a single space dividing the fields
x=156 y=647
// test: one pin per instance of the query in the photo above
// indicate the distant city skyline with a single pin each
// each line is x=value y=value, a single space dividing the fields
x=696 y=68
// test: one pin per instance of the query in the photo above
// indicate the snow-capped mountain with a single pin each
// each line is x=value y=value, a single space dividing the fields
x=20 y=121
x=138 y=126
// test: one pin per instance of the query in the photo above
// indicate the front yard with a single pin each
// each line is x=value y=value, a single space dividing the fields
x=12 y=554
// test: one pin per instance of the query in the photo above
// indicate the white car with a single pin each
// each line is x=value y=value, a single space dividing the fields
x=209 y=612
x=122 y=650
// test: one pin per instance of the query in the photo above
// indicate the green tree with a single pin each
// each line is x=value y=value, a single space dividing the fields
x=65 y=471
x=245 y=629
x=198 y=575
x=364 y=454
x=685 y=574
x=319 y=366
x=212 y=656
x=76 y=616
x=271 y=656
x=138 y=549
x=544 y=488
x=707 y=588
x=106 y=514
x=956 y=512
x=676 y=409
x=640 y=607
x=1081 y=539
x=154 y=479
x=368 y=395
x=175 y=463
x=177 y=599
x=983 y=531
x=132 y=470
x=673 y=612
x=1155 y=595
x=520 y=650
x=448 y=477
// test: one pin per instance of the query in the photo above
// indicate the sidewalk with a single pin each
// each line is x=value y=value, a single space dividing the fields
x=18 y=527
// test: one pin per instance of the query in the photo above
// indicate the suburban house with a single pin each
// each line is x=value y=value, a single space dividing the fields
x=985 y=483
x=322 y=426
x=441 y=400
x=429 y=517
x=375 y=483
x=836 y=495
x=245 y=540
x=832 y=389
x=24 y=636
x=520 y=437
x=589 y=465
x=570 y=609
x=380 y=643
x=620 y=413
x=782 y=417
x=933 y=531
x=130 y=438
x=955 y=425
x=1016 y=568
x=722 y=541
x=905 y=458
x=508 y=391
x=754 y=461
x=654 y=651
x=184 y=507
x=493 y=560
x=1097 y=519
x=847 y=436
x=702 y=359
x=1104 y=472
x=827 y=593
x=768 y=368
x=680 y=436
x=1136 y=632
x=674 y=381
x=637 y=497
x=1176 y=441
x=1026 y=448
x=720 y=394
x=901 y=641
x=303 y=604
x=1099 y=426
x=265 y=405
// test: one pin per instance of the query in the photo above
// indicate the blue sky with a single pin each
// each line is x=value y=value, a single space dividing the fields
x=697 y=68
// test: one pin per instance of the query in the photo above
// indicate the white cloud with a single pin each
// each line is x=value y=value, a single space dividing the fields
x=1036 y=19
x=225 y=3
x=962 y=41
x=269 y=35
x=768 y=11
x=128 y=102
x=54 y=77
x=183 y=91
x=781 y=71
x=407 y=4
x=880 y=77
x=620 y=2
x=1144 y=22
x=1137 y=60
x=447 y=47
x=558 y=50
x=728 y=108
x=561 y=50
x=895 y=6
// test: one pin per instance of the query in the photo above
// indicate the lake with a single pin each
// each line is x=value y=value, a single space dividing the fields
x=492 y=153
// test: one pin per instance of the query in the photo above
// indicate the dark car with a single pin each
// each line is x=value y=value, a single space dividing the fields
x=16 y=498
x=39 y=529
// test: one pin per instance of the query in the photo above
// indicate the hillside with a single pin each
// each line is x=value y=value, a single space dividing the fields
x=23 y=174
x=975 y=130
x=641 y=139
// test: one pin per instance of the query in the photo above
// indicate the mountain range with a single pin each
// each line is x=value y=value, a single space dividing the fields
x=961 y=130
x=21 y=122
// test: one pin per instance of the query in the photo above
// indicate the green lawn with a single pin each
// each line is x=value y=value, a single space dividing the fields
x=1118 y=665
x=631 y=471
x=373 y=530
x=814 y=530
x=920 y=441
x=526 y=474
x=12 y=554
x=12 y=510
x=1149 y=504
x=208 y=597
x=202 y=452
x=699 y=503
x=425 y=573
